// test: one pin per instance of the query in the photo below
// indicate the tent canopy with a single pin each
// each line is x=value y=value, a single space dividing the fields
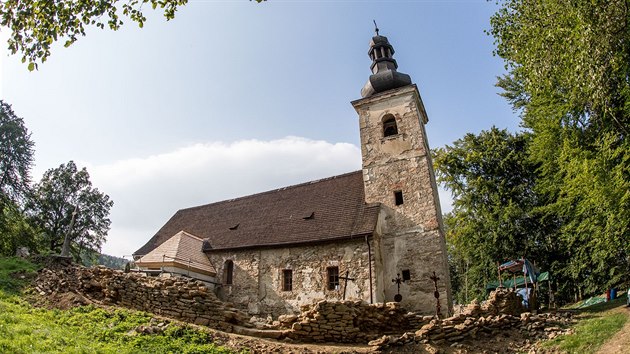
x=520 y=281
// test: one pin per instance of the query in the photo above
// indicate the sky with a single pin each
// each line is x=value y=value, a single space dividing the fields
x=233 y=97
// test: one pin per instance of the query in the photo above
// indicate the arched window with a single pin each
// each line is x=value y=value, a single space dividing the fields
x=389 y=126
x=228 y=272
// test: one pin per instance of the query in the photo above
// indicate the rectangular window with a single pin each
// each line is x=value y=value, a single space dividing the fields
x=229 y=272
x=406 y=274
x=333 y=278
x=287 y=280
x=399 y=198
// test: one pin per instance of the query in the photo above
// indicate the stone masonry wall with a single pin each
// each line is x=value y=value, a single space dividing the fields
x=390 y=324
x=178 y=298
x=257 y=278
x=412 y=231
x=352 y=321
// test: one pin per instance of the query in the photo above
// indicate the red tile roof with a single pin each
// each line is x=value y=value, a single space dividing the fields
x=319 y=211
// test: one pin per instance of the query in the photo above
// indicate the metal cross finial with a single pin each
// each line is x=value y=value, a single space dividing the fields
x=398 y=280
x=375 y=27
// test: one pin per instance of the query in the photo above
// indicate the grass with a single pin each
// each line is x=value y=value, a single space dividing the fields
x=598 y=323
x=86 y=329
x=10 y=270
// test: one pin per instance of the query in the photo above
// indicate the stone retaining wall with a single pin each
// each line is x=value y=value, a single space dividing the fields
x=350 y=321
x=346 y=321
x=179 y=298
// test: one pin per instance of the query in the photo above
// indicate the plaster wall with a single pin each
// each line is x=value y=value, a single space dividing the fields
x=257 y=285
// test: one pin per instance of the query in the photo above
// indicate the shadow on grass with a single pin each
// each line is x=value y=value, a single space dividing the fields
x=15 y=274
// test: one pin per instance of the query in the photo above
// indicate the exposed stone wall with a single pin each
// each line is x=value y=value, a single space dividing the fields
x=352 y=321
x=389 y=324
x=257 y=286
x=412 y=232
x=179 y=298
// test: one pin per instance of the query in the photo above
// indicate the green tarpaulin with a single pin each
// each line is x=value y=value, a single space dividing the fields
x=520 y=282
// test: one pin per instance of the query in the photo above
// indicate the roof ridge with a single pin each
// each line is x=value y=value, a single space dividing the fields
x=275 y=190
x=189 y=234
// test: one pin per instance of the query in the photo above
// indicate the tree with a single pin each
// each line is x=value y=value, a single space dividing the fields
x=569 y=64
x=16 y=156
x=65 y=191
x=494 y=218
x=15 y=231
x=35 y=25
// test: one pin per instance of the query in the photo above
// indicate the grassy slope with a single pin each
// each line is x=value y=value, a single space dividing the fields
x=598 y=323
x=87 y=329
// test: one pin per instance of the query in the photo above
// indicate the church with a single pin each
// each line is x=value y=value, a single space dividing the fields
x=374 y=235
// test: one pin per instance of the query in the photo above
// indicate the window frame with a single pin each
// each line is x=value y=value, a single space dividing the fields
x=287 y=280
x=389 y=122
x=399 y=198
x=228 y=271
x=332 y=279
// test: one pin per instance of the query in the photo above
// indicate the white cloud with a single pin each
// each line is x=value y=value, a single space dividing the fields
x=148 y=191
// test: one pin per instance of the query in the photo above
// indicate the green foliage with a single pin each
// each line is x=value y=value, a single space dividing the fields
x=493 y=218
x=64 y=203
x=15 y=231
x=569 y=65
x=16 y=156
x=35 y=25
x=11 y=272
x=105 y=260
x=16 y=159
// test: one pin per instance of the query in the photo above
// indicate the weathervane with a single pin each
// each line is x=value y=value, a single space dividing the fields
x=375 y=27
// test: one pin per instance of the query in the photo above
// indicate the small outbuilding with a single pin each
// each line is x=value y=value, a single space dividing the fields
x=180 y=255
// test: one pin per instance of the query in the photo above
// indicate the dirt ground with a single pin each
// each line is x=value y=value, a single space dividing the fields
x=620 y=342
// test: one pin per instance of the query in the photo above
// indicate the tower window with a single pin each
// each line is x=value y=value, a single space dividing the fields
x=228 y=271
x=389 y=126
x=406 y=275
x=287 y=280
x=333 y=278
x=398 y=197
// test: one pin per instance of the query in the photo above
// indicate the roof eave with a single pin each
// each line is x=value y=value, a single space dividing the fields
x=285 y=244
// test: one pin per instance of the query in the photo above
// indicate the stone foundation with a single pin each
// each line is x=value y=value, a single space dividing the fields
x=178 y=298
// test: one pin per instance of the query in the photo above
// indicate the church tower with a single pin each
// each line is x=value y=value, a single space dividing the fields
x=398 y=174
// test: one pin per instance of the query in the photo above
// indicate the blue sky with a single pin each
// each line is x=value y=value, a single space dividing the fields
x=233 y=97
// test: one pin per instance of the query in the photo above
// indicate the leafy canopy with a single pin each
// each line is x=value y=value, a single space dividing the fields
x=569 y=70
x=35 y=25
x=493 y=219
x=16 y=156
x=64 y=203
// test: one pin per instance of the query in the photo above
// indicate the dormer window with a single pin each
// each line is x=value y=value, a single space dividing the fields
x=389 y=126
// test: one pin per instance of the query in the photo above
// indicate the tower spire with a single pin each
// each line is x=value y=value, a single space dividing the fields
x=384 y=75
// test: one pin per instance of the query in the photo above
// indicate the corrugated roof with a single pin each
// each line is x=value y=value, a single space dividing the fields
x=318 y=211
x=182 y=249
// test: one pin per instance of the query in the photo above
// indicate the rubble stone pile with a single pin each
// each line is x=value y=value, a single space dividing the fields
x=461 y=327
x=350 y=321
x=503 y=301
x=380 y=325
x=179 y=298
